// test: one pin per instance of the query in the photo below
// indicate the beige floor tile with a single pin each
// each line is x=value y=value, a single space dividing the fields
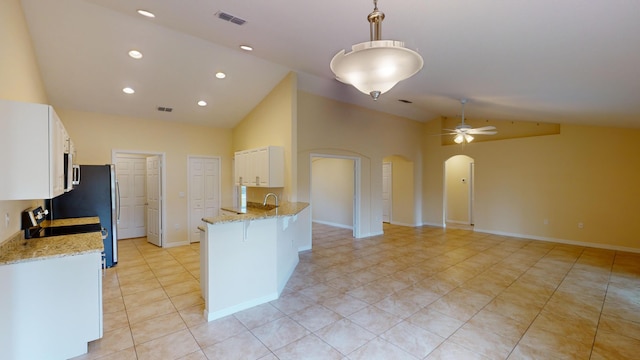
x=143 y=298
x=344 y=304
x=258 y=315
x=345 y=336
x=112 y=305
x=498 y=324
x=435 y=322
x=157 y=327
x=216 y=331
x=619 y=326
x=449 y=350
x=398 y=305
x=290 y=303
x=111 y=342
x=182 y=288
x=551 y=343
x=115 y=320
x=151 y=310
x=187 y=300
x=574 y=328
x=128 y=278
x=171 y=346
x=279 y=333
x=197 y=355
x=315 y=317
x=139 y=286
x=175 y=277
x=413 y=339
x=193 y=315
x=309 y=347
x=481 y=341
x=379 y=349
x=241 y=346
x=615 y=346
x=375 y=320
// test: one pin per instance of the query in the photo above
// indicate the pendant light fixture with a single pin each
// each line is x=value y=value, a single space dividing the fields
x=376 y=66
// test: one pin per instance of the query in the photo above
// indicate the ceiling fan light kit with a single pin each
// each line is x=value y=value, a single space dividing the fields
x=376 y=66
x=463 y=132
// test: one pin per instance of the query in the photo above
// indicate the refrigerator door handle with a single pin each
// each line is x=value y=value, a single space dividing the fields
x=118 y=200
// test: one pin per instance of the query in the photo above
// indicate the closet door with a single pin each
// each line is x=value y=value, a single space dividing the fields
x=131 y=173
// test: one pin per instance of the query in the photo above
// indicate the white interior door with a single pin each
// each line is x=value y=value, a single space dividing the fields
x=204 y=192
x=131 y=172
x=386 y=192
x=154 y=201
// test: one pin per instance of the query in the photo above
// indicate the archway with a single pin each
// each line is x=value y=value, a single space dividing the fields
x=458 y=191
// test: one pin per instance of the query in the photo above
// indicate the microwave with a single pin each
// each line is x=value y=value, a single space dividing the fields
x=71 y=173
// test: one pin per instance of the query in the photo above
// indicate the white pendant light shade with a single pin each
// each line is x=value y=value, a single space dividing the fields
x=376 y=66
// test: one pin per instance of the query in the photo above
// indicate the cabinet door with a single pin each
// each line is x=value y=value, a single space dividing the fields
x=262 y=167
x=58 y=140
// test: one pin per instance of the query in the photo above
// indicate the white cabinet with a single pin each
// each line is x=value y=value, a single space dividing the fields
x=261 y=167
x=50 y=309
x=32 y=144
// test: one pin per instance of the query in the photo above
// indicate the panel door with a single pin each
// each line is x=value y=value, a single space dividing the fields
x=131 y=172
x=386 y=192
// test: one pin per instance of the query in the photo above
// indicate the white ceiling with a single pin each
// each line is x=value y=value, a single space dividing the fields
x=570 y=61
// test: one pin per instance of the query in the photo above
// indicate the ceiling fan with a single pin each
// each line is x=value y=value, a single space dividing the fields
x=463 y=132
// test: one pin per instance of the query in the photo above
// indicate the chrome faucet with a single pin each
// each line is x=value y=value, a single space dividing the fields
x=267 y=196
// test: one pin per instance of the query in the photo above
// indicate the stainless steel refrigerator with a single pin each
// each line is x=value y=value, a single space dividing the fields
x=96 y=195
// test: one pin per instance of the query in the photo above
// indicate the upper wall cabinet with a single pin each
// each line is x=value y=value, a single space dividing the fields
x=261 y=167
x=32 y=143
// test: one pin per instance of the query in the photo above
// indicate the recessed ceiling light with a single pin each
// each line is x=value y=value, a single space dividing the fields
x=221 y=75
x=202 y=103
x=135 y=54
x=246 y=48
x=146 y=13
x=128 y=90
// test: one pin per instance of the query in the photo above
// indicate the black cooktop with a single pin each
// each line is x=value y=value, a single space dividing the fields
x=65 y=230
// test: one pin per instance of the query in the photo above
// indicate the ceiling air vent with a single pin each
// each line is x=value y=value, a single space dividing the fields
x=228 y=17
x=165 y=109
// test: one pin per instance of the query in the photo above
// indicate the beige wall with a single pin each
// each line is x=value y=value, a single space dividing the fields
x=331 y=127
x=458 y=189
x=19 y=80
x=586 y=175
x=96 y=135
x=332 y=181
x=272 y=122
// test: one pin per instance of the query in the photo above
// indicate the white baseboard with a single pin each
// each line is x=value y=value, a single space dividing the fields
x=174 y=244
x=333 y=224
x=210 y=316
x=403 y=224
x=561 y=241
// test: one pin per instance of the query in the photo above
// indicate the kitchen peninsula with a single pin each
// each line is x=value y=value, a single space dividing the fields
x=247 y=258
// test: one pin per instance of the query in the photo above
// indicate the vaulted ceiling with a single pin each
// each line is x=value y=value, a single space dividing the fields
x=570 y=61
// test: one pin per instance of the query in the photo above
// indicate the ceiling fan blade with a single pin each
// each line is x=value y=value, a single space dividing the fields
x=482 y=132
x=483 y=128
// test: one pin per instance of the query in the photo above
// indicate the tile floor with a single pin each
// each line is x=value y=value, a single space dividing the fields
x=413 y=293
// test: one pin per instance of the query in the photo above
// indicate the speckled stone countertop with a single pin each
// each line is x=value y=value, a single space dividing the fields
x=18 y=249
x=255 y=213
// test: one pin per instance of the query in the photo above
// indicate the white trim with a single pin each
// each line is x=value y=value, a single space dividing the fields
x=342 y=226
x=210 y=316
x=561 y=241
x=175 y=244
x=402 y=224
x=357 y=226
x=163 y=185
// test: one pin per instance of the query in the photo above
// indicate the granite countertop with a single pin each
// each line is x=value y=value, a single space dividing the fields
x=258 y=213
x=18 y=249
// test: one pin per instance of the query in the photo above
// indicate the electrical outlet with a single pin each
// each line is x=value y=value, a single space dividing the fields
x=176 y=226
x=546 y=221
x=7 y=220
x=580 y=225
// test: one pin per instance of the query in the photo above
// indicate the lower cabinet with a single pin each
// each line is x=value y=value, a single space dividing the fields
x=50 y=309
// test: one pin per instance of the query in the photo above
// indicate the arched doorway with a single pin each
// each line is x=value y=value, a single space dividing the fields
x=458 y=191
